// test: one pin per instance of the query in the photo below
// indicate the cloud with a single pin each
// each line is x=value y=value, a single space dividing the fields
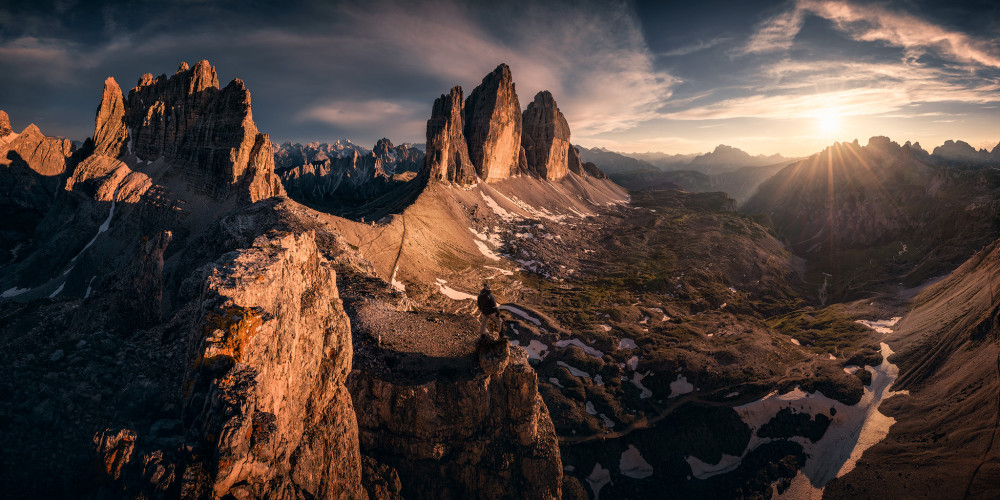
x=593 y=58
x=361 y=114
x=869 y=23
x=695 y=47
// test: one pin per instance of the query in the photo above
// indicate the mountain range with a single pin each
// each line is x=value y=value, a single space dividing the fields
x=189 y=310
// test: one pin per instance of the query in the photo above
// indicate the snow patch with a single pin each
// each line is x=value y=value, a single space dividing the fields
x=632 y=363
x=606 y=327
x=597 y=479
x=680 y=386
x=536 y=350
x=554 y=381
x=590 y=408
x=702 y=470
x=573 y=371
x=637 y=381
x=452 y=293
x=610 y=424
x=521 y=313
x=562 y=344
x=853 y=429
x=626 y=344
x=13 y=292
x=398 y=285
x=58 y=290
x=89 y=283
x=882 y=325
x=796 y=342
x=633 y=465
x=499 y=270
x=497 y=209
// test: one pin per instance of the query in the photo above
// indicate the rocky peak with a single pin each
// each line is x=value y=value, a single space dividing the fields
x=546 y=138
x=493 y=125
x=447 y=152
x=4 y=124
x=382 y=147
x=110 y=133
x=206 y=134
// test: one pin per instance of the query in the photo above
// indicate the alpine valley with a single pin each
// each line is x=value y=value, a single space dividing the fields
x=190 y=310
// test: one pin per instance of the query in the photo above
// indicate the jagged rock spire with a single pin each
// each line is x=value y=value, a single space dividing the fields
x=493 y=125
x=110 y=132
x=447 y=154
x=546 y=139
x=207 y=135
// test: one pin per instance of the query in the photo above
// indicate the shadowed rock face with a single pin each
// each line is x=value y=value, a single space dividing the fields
x=546 y=139
x=447 y=154
x=493 y=125
x=204 y=133
x=485 y=437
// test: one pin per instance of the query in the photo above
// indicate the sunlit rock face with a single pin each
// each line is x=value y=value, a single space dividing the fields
x=493 y=125
x=206 y=134
x=546 y=139
x=447 y=153
x=265 y=413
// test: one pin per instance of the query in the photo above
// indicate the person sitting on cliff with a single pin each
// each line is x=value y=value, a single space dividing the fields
x=488 y=310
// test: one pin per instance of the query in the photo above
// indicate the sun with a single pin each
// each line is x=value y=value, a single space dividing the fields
x=828 y=122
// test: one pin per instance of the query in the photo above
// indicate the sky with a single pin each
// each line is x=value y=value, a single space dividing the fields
x=787 y=77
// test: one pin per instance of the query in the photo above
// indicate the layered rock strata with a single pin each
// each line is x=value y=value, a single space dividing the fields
x=493 y=125
x=447 y=153
x=206 y=134
x=546 y=139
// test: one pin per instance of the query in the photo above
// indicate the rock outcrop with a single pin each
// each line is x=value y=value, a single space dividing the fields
x=265 y=412
x=206 y=134
x=594 y=170
x=32 y=168
x=4 y=124
x=110 y=132
x=33 y=150
x=447 y=152
x=485 y=437
x=493 y=125
x=546 y=139
x=269 y=357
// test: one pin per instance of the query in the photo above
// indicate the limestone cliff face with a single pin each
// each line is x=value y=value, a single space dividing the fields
x=546 y=137
x=265 y=412
x=484 y=437
x=206 y=134
x=493 y=125
x=110 y=132
x=447 y=153
x=269 y=358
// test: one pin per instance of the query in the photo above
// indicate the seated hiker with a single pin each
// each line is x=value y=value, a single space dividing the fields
x=488 y=310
